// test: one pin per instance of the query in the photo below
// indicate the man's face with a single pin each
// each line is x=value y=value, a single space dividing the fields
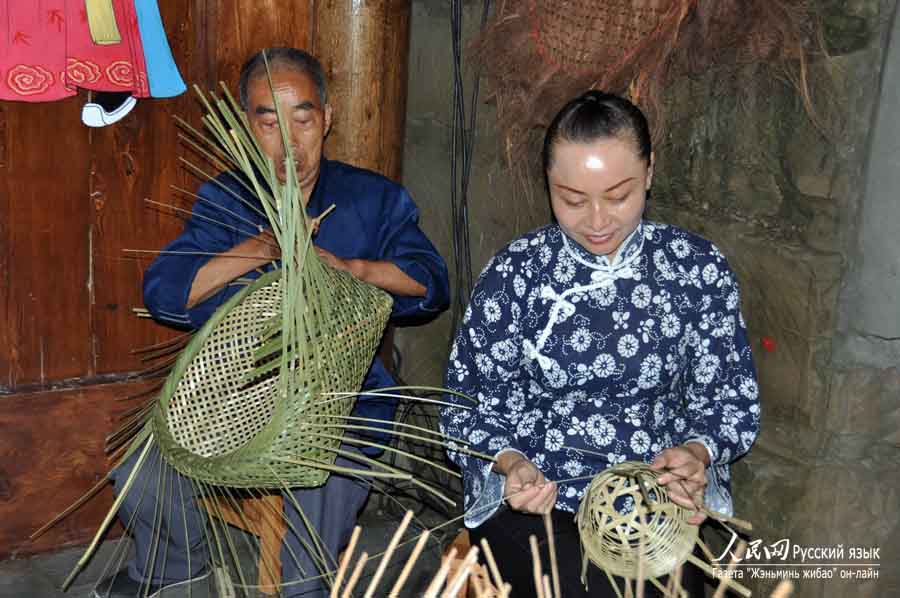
x=307 y=121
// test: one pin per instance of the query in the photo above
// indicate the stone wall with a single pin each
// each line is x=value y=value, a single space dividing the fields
x=808 y=217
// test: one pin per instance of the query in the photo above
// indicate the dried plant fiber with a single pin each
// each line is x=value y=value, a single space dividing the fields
x=538 y=54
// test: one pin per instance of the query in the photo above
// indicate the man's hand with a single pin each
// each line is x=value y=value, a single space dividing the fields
x=265 y=245
x=526 y=490
x=219 y=271
x=384 y=275
x=684 y=476
x=335 y=262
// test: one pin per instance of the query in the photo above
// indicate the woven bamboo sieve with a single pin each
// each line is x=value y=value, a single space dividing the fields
x=616 y=539
x=578 y=36
x=216 y=424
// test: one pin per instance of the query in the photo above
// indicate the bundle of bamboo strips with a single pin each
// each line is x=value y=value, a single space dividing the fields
x=461 y=576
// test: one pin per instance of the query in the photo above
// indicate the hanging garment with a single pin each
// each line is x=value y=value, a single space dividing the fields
x=47 y=51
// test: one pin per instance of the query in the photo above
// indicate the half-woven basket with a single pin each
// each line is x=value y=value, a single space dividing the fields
x=217 y=423
x=627 y=521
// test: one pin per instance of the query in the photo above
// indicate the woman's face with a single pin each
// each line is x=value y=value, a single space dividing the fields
x=598 y=191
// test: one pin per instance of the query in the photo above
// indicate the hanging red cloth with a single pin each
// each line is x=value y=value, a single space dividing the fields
x=46 y=51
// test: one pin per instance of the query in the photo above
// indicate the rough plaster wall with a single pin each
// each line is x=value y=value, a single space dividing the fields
x=863 y=424
x=870 y=318
x=498 y=213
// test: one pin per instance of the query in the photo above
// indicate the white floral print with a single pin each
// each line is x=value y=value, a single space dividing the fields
x=632 y=364
x=604 y=366
x=628 y=345
x=492 y=310
x=641 y=296
x=580 y=339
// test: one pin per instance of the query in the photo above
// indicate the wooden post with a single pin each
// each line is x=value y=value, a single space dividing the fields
x=364 y=48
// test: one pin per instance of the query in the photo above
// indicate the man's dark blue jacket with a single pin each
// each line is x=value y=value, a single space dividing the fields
x=374 y=219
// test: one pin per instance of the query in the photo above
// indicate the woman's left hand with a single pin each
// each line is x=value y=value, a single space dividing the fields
x=684 y=476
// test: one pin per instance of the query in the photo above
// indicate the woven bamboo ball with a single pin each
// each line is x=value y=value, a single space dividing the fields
x=618 y=527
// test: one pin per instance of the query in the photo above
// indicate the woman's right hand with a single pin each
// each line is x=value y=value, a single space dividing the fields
x=526 y=489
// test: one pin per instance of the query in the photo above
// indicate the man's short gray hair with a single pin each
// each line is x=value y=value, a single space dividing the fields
x=290 y=58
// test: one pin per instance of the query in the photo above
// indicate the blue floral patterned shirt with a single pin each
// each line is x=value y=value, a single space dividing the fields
x=581 y=363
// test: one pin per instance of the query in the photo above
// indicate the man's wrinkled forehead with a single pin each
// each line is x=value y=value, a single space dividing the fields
x=264 y=108
x=290 y=86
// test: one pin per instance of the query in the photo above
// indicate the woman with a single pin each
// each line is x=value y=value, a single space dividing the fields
x=597 y=339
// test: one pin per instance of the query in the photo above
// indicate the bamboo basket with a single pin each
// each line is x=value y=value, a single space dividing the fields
x=651 y=537
x=216 y=422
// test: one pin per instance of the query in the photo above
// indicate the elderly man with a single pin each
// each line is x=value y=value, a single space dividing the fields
x=372 y=233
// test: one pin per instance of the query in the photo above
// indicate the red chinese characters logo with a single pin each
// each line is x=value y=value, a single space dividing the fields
x=29 y=80
x=121 y=73
x=80 y=72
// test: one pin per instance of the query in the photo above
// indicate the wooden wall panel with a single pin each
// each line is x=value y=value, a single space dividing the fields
x=240 y=32
x=51 y=454
x=134 y=160
x=47 y=220
x=127 y=166
x=6 y=333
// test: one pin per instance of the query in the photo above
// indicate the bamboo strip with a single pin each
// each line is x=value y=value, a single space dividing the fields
x=410 y=563
x=345 y=561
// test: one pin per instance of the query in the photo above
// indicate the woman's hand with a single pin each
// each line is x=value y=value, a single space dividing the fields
x=526 y=490
x=684 y=476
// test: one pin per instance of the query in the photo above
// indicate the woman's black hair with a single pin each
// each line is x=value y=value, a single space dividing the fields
x=597 y=115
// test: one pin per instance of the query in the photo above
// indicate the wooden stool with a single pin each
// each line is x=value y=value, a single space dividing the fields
x=263 y=518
